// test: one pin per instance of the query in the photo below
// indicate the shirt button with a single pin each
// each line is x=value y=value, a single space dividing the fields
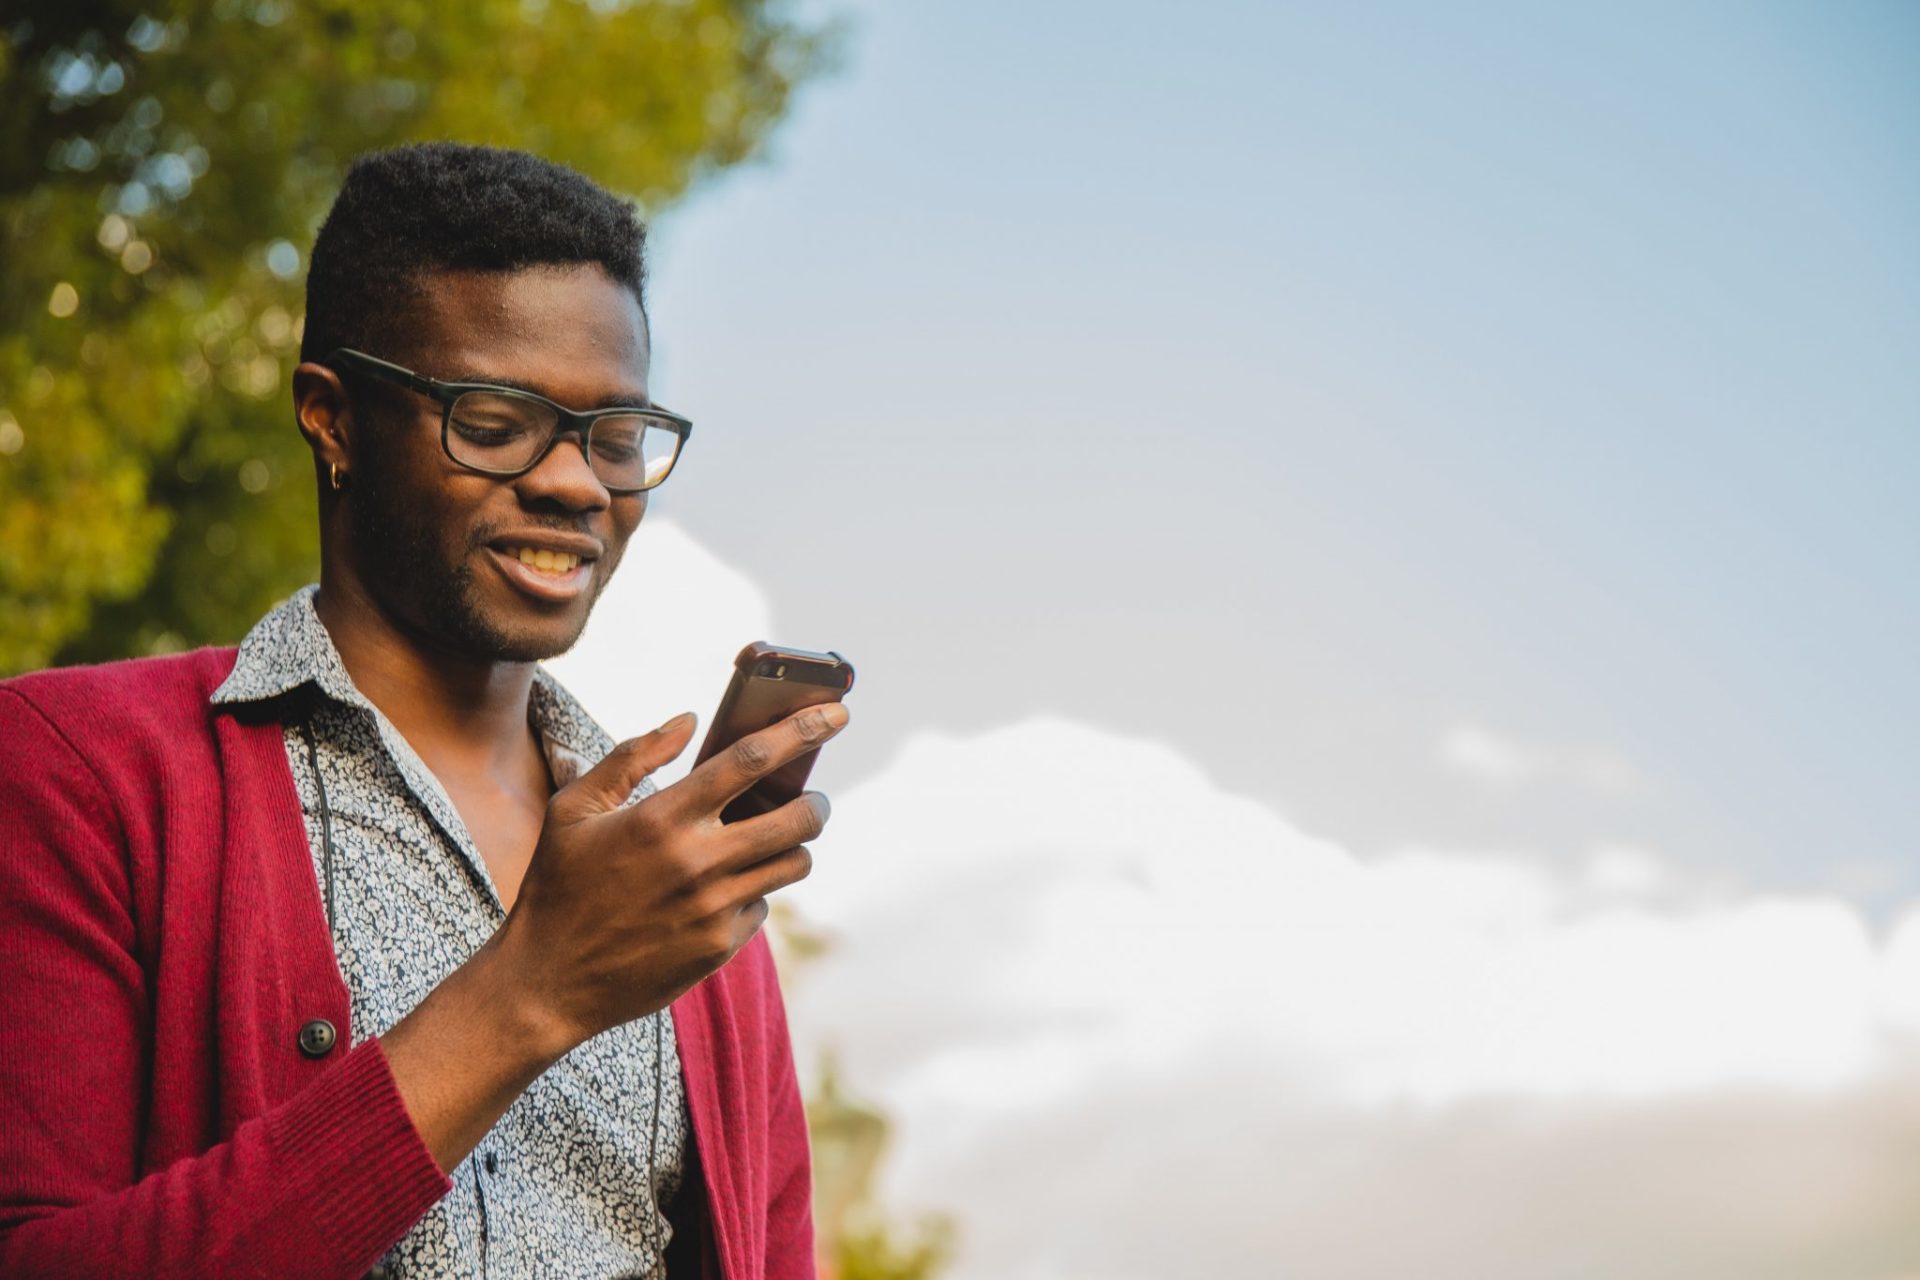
x=492 y=1163
x=379 y=1272
x=317 y=1037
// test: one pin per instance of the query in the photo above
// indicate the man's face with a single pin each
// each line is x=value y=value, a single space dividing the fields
x=439 y=546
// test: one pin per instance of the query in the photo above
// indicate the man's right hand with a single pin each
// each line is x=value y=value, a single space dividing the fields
x=624 y=907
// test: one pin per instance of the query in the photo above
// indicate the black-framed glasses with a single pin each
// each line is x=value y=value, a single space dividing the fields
x=504 y=431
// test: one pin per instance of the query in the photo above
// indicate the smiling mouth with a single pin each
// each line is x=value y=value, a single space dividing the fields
x=540 y=560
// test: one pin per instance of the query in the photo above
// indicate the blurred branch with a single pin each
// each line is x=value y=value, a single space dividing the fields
x=856 y=1239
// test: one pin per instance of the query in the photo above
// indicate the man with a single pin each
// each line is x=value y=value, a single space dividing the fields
x=363 y=946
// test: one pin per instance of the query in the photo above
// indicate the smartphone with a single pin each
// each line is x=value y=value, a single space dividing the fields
x=769 y=684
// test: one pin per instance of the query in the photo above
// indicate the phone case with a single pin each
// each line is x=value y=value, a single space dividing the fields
x=769 y=684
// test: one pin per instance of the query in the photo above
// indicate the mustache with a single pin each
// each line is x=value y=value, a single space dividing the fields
x=485 y=533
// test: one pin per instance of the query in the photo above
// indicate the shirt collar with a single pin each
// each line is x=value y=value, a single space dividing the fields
x=286 y=649
x=290 y=648
x=574 y=740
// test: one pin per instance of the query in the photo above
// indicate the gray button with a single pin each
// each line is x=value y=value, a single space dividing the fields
x=317 y=1037
x=379 y=1272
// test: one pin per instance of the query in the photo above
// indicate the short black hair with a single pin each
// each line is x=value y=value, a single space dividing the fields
x=450 y=206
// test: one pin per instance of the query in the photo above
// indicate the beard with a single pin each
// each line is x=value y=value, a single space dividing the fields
x=404 y=562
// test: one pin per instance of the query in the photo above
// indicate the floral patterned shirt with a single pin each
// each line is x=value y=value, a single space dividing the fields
x=572 y=1181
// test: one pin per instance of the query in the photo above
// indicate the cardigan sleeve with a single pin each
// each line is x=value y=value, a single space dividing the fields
x=318 y=1186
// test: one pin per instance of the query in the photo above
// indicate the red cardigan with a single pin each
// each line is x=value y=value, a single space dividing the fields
x=162 y=942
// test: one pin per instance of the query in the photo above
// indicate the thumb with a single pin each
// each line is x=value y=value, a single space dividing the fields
x=606 y=786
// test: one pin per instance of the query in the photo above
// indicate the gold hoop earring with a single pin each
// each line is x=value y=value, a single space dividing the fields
x=334 y=477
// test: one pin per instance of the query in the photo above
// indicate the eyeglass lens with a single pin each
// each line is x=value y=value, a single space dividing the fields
x=502 y=433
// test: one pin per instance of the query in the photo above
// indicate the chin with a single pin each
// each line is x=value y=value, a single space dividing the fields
x=534 y=648
x=525 y=640
x=474 y=614
x=498 y=630
x=508 y=624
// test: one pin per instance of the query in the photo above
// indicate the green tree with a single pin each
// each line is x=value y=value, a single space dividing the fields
x=856 y=1237
x=163 y=167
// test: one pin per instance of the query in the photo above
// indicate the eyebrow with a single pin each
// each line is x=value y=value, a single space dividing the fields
x=619 y=400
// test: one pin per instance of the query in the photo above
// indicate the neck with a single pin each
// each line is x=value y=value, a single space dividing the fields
x=445 y=703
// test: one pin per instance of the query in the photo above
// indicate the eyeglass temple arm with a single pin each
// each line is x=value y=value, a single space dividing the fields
x=381 y=369
x=420 y=382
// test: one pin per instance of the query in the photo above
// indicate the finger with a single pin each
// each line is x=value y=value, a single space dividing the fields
x=753 y=757
x=748 y=922
x=789 y=866
x=607 y=785
x=750 y=841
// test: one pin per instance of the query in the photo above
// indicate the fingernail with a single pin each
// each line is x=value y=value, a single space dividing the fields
x=675 y=722
x=833 y=713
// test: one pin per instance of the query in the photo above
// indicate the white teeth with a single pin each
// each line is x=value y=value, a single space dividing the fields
x=554 y=562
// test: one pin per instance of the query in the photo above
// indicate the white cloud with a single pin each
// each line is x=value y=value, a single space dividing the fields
x=1052 y=881
x=1058 y=948
x=1488 y=757
x=1129 y=1025
x=1626 y=871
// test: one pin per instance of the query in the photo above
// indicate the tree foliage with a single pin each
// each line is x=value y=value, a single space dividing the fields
x=874 y=1254
x=163 y=167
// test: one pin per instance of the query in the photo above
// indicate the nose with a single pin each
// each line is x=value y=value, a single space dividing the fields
x=563 y=476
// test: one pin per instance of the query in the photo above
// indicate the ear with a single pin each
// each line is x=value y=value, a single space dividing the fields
x=324 y=415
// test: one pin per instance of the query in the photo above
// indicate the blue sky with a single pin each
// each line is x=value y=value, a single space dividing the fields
x=1377 y=541
x=1314 y=388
